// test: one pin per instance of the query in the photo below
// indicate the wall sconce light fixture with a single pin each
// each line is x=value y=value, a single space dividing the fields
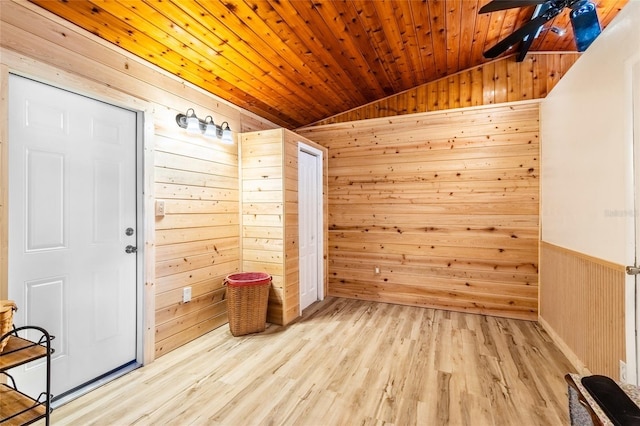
x=207 y=127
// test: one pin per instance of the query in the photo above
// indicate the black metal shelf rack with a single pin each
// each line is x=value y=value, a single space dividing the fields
x=17 y=408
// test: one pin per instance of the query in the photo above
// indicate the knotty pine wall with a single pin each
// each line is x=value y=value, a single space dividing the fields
x=196 y=243
x=263 y=212
x=502 y=80
x=444 y=203
x=591 y=327
x=269 y=163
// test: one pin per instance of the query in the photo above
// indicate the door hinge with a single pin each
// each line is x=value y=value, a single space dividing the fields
x=632 y=270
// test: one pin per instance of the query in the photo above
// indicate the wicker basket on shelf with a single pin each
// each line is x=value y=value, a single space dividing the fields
x=7 y=308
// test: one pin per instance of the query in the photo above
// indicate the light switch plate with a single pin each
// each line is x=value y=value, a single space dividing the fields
x=186 y=294
x=159 y=208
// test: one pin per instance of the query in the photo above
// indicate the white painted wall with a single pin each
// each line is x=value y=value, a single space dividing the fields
x=587 y=144
x=587 y=141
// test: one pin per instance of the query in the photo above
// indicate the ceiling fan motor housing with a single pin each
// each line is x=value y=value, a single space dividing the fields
x=583 y=16
x=584 y=20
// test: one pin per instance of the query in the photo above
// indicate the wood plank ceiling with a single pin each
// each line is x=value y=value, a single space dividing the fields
x=297 y=62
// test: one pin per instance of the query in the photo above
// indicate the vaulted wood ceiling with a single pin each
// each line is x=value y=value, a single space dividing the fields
x=295 y=62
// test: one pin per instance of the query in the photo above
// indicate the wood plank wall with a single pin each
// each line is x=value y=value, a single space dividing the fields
x=291 y=307
x=583 y=304
x=263 y=212
x=197 y=240
x=270 y=215
x=502 y=80
x=444 y=203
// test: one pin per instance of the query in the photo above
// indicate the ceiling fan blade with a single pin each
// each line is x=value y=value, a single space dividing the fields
x=517 y=36
x=496 y=5
x=526 y=44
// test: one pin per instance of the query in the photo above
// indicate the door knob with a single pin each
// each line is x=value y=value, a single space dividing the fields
x=131 y=249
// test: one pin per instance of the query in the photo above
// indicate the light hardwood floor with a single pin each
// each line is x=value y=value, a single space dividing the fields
x=346 y=362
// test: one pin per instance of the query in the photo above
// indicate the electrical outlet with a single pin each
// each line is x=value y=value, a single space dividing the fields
x=186 y=294
x=623 y=371
x=376 y=270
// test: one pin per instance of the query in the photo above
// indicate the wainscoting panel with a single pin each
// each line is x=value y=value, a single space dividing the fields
x=582 y=301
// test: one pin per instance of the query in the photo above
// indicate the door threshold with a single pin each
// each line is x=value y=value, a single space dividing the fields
x=83 y=389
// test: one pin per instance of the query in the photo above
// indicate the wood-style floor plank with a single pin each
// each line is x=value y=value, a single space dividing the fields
x=346 y=362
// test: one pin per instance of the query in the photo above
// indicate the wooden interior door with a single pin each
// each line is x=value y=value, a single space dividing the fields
x=72 y=213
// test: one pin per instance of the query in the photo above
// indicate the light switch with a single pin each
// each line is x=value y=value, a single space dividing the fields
x=159 y=208
x=186 y=294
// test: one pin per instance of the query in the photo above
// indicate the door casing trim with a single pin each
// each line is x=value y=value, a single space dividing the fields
x=318 y=154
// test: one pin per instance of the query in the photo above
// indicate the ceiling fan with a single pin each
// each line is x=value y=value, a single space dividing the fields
x=583 y=16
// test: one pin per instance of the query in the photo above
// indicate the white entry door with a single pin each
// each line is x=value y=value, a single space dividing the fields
x=72 y=213
x=310 y=224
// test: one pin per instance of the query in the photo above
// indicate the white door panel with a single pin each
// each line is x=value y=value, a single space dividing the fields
x=310 y=224
x=45 y=222
x=72 y=195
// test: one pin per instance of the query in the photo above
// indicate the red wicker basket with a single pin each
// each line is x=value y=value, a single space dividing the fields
x=247 y=301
